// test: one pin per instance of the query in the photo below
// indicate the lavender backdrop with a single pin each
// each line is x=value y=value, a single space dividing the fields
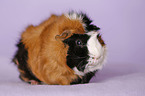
x=122 y=24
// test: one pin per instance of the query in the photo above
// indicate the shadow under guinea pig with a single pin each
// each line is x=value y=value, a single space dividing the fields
x=114 y=70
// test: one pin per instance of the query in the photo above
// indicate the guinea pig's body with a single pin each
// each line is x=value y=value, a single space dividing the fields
x=62 y=50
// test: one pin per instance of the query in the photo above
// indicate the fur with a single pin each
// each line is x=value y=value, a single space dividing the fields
x=21 y=61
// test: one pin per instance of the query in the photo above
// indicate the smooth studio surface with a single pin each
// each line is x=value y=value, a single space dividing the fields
x=122 y=24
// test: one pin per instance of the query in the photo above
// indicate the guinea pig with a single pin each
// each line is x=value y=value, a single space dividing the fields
x=63 y=50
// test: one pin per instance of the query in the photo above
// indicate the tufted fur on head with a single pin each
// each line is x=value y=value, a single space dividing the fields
x=43 y=54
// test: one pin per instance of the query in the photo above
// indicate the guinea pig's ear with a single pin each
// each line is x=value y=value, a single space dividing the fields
x=66 y=41
x=63 y=36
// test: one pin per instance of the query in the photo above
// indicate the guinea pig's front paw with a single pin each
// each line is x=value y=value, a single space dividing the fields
x=33 y=82
x=77 y=81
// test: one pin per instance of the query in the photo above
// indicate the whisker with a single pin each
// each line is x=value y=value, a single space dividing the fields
x=80 y=58
x=77 y=57
x=79 y=63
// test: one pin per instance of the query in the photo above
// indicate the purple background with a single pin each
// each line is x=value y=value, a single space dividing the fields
x=122 y=24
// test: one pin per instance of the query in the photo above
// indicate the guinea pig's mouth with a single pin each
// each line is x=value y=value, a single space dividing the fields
x=96 y=58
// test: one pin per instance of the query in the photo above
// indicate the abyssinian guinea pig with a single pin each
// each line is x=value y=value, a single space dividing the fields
x=63 y=50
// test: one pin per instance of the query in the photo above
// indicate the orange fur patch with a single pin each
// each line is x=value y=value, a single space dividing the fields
x=46 y=55
x=101 y=40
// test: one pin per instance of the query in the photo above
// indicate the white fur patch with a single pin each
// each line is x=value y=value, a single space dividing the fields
x=97 y=53
x=74 y=16
x=96 y=64
x=78 y=72
x=94 y=46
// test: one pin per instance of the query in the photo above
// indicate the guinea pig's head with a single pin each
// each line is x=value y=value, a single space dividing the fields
x=86 y=52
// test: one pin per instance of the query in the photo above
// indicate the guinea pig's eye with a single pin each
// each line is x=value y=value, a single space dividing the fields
x=79 y=42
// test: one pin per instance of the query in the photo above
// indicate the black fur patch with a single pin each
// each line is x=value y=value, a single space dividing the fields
x=88 y=77
x=77 y=52
x=87 y=21
x=22 y=56
x=84 y=79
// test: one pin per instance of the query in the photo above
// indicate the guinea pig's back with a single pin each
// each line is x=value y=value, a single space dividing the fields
x=46 y=55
